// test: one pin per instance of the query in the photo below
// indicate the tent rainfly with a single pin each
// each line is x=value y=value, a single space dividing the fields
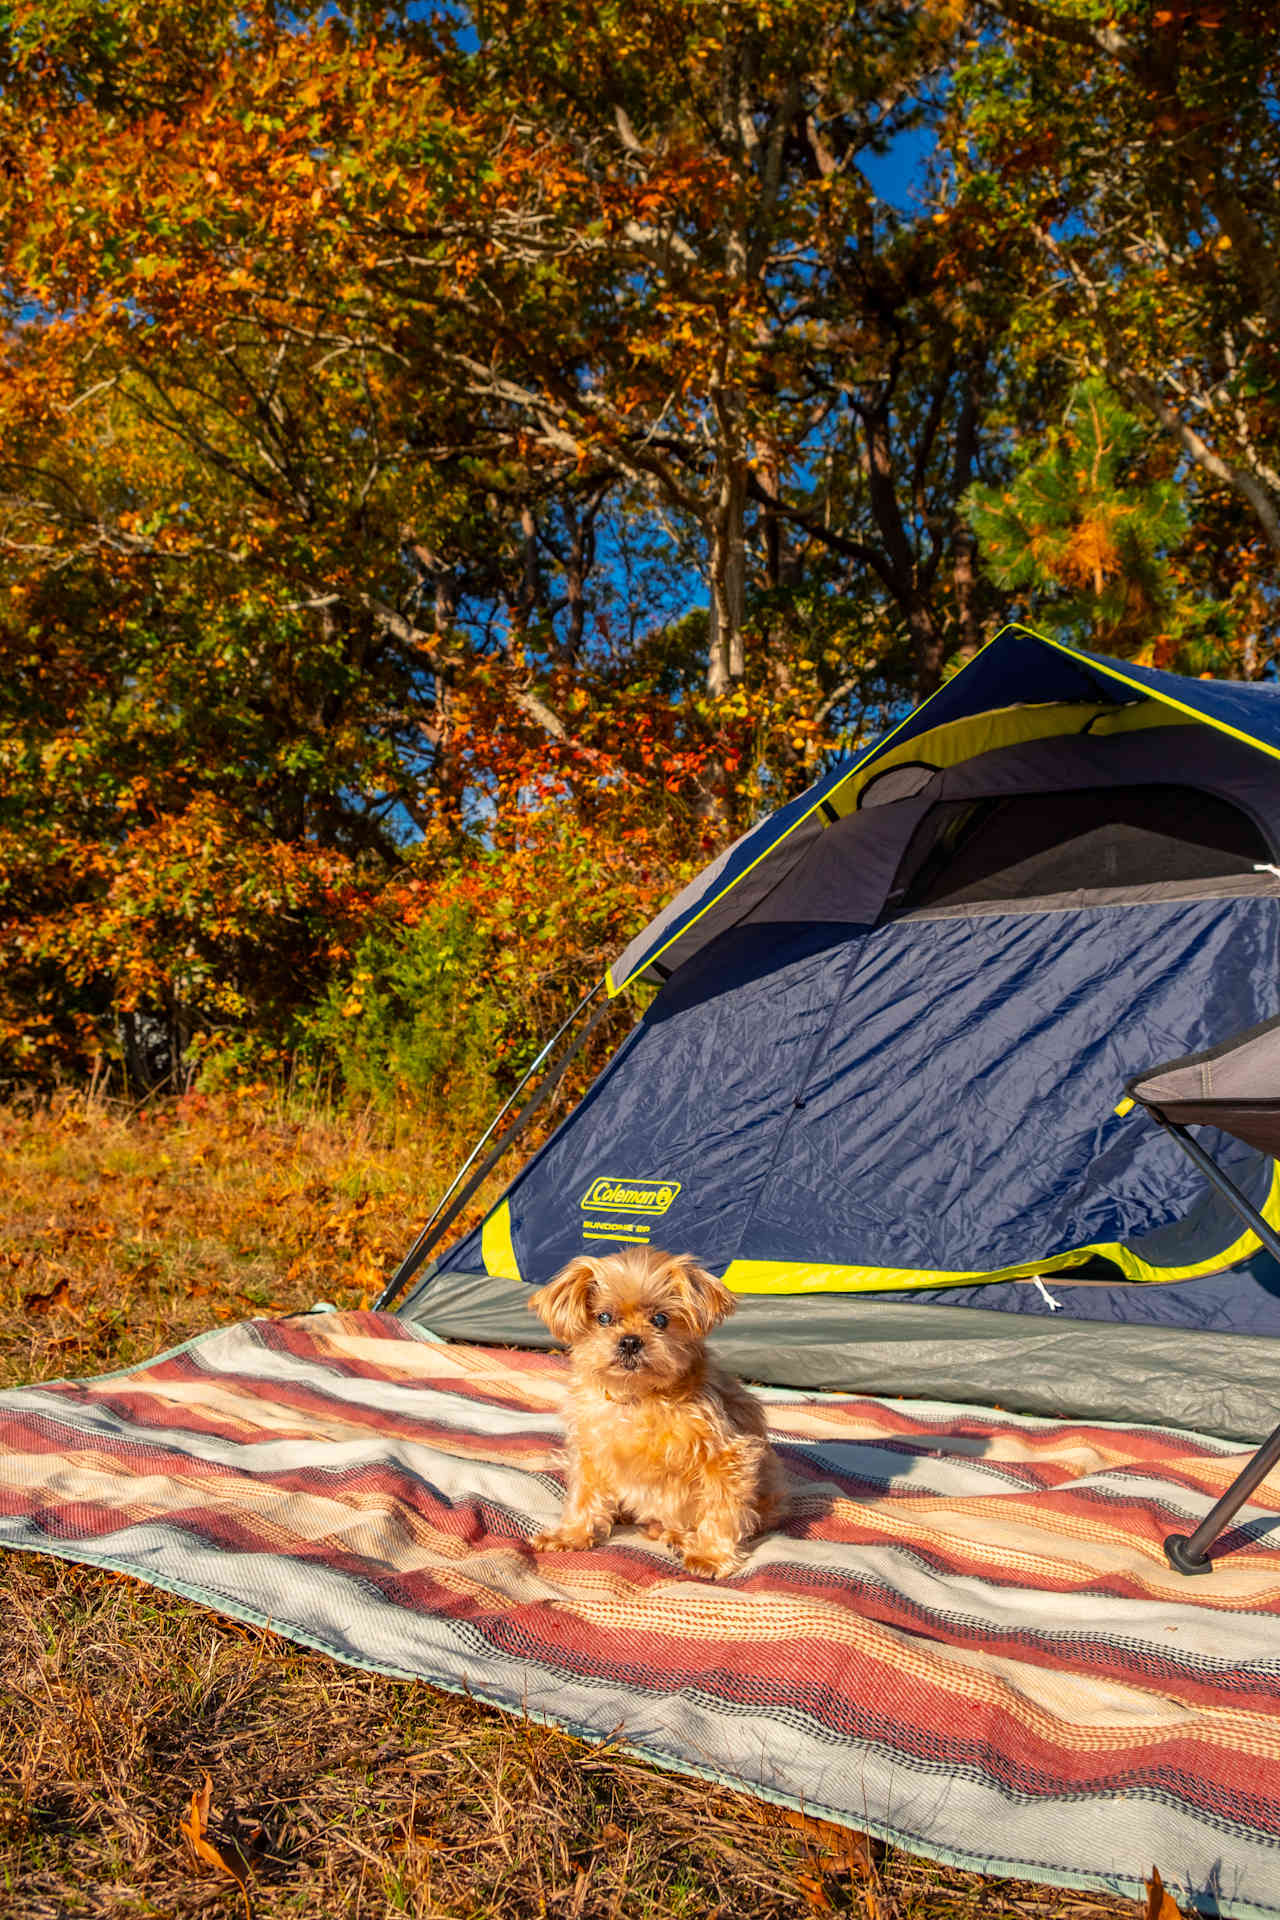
x=881 y=1088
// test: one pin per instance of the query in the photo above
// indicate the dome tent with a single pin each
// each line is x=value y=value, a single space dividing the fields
x=881 y=1087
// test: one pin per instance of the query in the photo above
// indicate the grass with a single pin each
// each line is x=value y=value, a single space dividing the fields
x=330 y=1792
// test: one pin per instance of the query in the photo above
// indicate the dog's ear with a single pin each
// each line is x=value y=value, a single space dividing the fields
x=704 y=1300
x=565 y=1302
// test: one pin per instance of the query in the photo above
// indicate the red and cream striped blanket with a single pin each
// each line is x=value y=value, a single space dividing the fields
x=966 y=1640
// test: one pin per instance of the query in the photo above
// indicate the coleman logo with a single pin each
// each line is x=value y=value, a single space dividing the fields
x=651 y=1197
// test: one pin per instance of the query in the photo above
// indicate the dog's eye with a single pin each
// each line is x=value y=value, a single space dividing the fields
x=658 y=1319
x=605 y=1319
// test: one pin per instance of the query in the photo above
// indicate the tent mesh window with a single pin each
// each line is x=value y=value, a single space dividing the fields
x=1033 y=845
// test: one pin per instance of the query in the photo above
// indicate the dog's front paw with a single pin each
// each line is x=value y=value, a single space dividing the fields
x=552 y=1542
x=567 y=1539
x=709 y=1563
x=668 y=1536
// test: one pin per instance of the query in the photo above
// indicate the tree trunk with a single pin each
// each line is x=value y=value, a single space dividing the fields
x=926 y=645
x=964 y=574
x=964 y=546
x=900 y=571
x=726 y=652
x=524 y=601
x=775 y=548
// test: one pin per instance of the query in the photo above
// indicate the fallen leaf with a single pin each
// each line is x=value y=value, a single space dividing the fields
x=195 y=1831
x=1160 y=1903
x=816 y=1896
x=45 y=1302
x=847 y=1850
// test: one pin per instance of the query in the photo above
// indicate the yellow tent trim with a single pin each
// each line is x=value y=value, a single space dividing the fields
x=800 y=1276
x=1150 y=693
x=497 y=1249
x=957 y=740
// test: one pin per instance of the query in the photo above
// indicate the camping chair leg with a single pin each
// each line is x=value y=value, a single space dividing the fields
x=1189 y=1553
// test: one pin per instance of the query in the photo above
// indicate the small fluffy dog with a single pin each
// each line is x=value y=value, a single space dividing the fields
x=657 y=1433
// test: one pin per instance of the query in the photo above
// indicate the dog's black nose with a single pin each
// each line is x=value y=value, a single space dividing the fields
x=630 y=1343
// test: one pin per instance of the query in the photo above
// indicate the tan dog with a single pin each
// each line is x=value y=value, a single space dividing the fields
x=657 y=1433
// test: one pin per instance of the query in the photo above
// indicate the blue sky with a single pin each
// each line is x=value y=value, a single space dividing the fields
x=899 y=172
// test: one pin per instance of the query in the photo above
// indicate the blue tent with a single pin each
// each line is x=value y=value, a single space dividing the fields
x=881 y=1086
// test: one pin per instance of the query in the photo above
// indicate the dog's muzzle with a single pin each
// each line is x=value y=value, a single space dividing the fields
x=630 y=1348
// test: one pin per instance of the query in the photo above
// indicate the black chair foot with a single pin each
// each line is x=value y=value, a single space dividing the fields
x=1175 y=1552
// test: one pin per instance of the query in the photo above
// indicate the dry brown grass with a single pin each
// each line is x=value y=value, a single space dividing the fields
x=333 y=1792
x=126 y=1232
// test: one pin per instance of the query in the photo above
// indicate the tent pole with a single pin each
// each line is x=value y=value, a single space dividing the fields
x=440 y=1221
x=1189 y=1553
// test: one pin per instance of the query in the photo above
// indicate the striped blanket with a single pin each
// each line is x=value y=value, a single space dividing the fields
x=966 y=1639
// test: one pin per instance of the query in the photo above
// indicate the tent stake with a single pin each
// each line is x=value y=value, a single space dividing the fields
x=440 y=1221
x=1189 y=1553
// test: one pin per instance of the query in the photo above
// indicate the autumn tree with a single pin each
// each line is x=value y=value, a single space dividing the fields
x=770 y=354
x=271 y=623
x=1131 y=164
x=460 y=462
x=1092 y=537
